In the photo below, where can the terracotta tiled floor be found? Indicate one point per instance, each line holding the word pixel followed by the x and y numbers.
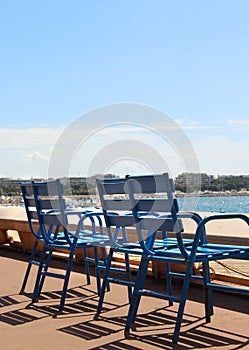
pixel 24 326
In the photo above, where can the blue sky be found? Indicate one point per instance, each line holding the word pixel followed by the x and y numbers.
pixel 61 59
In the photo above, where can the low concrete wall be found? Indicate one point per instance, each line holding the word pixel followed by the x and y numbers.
pixel 14 219
pixel 25 240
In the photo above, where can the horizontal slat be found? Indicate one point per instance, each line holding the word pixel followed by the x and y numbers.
pixel 158 224
pixel 149 184
pixel 111 186
pixel 52 219
pixel 117 204
pixel 33 214
pixel 156 205
pixel 120 220
pixel 30 202
pixel 47 188
pixel 27 189
pixel 50 204
pixel 147 204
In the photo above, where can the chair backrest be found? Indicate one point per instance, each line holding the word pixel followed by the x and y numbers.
pixel 30 207
pixel 145 202
pixel 115 201
pixel 116 208
pixel 154 208
pixel 50 207
pixel 152 194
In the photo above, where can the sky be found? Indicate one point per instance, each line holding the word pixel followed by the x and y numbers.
pixel 60 60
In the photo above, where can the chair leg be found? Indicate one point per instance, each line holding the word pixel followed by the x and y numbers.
pixel 208 295
pixel 128 275
pixel 105 262
pixel 43 272
pixel 182 303
pixel 169 282
pixel 31 261
pixel 136 297
pixel 86 266
pixel 104 283
pixel 66 280
pixel 97 270
pixel 37 287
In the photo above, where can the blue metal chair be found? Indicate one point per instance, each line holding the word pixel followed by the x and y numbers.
pixel 118 217
pixel 142 190
pixel 30 207
pixel 54 227
pixel 117 209
pixel 32 216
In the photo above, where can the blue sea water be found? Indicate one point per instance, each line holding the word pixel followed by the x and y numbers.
pixel 215 204
pixel 225 204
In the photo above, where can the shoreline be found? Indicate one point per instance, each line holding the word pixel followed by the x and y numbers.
pixel 92 199
pixel 213 194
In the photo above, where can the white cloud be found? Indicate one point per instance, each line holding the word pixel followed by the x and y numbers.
pixel 26 152
pixel 221 155
pixel 194 125
pixel 35 156
pixel 217 154
pixel 181 124
pixel 239 123
pixel 28 138
pixel 198 127
pixel 130 128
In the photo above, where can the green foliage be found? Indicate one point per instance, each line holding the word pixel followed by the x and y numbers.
pixel 186 182
pixel 210 183
pixel 10 189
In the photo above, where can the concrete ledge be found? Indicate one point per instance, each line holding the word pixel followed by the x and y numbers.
pixel 25 240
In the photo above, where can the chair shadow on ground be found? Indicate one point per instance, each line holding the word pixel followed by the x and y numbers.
pixel 152 329
pixel 80 301
pixel 47 306
pixel 155 329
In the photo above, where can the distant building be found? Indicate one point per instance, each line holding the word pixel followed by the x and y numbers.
pixel 192 182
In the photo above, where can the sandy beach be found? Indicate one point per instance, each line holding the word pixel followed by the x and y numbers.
pixel 229 228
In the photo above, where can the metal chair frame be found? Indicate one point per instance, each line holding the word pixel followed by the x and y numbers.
pixel 30 207
pixel 53 221
pixel 198 251
pixel 117 210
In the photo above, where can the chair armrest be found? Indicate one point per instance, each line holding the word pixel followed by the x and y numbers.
pixel 224 217
pixel 91 216
pixel 190 215
pixel 228 216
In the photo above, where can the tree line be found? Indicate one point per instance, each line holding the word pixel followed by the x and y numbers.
pixel 186 182
pixel 71 185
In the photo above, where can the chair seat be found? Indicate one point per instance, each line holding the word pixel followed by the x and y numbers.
pixel 210 252
pixel 170 243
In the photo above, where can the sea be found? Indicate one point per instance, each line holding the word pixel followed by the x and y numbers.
pixel 215 204
pixel 222 204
